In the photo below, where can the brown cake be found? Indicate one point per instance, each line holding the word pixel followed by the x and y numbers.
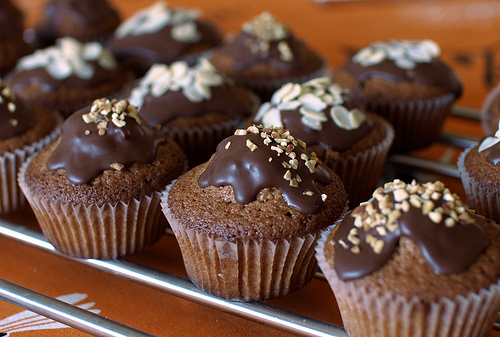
pixel 261 194
pixel 480 171
pixel 68 76
pixel 95 191
pixel 406 83
pixel 89 20
pixel 351 142
pixel 23 131
pixel 490 112
pixel 264 55
pixel 158 34
pixel 196 106
pixel 412 261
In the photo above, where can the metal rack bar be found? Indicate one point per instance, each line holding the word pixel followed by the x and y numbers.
pixel 259 312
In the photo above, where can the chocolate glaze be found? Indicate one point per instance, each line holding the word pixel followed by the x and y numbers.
pixel 493 156
pixel 448 250
pixel 331 134
pixel 240 50
pixel 434 73
pixel 160 47
pixel 225 100
pixel 248 172
pixel 14 123
pixel 84 157
pixel 21 79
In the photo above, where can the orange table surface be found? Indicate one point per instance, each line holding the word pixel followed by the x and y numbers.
pixel 468 34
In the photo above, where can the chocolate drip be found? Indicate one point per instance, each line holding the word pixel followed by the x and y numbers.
pixel 249 171
pixel 16 116
pixel 493 156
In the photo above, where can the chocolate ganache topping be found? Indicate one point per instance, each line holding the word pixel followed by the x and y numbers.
pixel 402 60
pixel 168 92
pixel 108 135
pixel 315 111
pixel 265 39
pixel 67 64
pixel 161 34
pixel 16 115
pixel 449 237
pixel 492 146
pixel 258 158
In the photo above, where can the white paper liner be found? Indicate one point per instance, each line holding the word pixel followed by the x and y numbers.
pixel 369 313
pixel 481 198
pixel 417 123
pixel 11 196
pixel 360 171
pixel 97 232
pixel 244 270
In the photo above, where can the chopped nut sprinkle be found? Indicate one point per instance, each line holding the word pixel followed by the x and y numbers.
pixel 228 144
pixel 100 114
pixel 251 145
pixel 117 166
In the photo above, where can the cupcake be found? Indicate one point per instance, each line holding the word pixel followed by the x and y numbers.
pixel 96 190
pixel 247 221
pixel 195 105
pixel 411 261
pixel 490 112
pixel 86 21
pixel 351 142
pixel 68 76
pixel 158 34
pixel 24 130
pixel 264 55
pixel 406 83
pixel 479 170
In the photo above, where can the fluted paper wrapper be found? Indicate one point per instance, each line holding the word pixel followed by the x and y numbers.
pixel 369 313
pixel 12 197
pixel 481 198
pixel 360 171
pixel 97 232
pixel 417 124
pixel 244 270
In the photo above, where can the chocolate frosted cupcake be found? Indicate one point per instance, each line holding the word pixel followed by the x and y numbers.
pixel 68 76
pixel 261 195
pixel 351 142
pixel 406 83
pixel 158 34
pixel 196 106
pixel 95 191
pixel 411 261
pixel 89 20
pixel 479 168
pixel 24 130
pixel 264 55
pixel 490 112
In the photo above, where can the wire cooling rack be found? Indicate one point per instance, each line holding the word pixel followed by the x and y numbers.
pixel 259 312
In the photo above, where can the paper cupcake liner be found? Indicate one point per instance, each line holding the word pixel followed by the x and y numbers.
pixel 11 196
pixel 200 142
pixel 480 198
pixel 369 313
pixel 360 171
pixel 417 124
pixel 246 269
pixel 97 232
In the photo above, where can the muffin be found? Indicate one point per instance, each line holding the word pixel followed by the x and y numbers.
pixel 351 142
pixel 96 190
pixel 86 21
pixel 158 34
pixel 411 261
pixel 490 112
pixel 247 221
pixel 68 76
pixel 195 105
pixel 406 83
pixel 23 131
pixel 264 55
pixel 479 170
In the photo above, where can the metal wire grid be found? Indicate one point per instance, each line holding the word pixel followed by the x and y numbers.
pixel 259 312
